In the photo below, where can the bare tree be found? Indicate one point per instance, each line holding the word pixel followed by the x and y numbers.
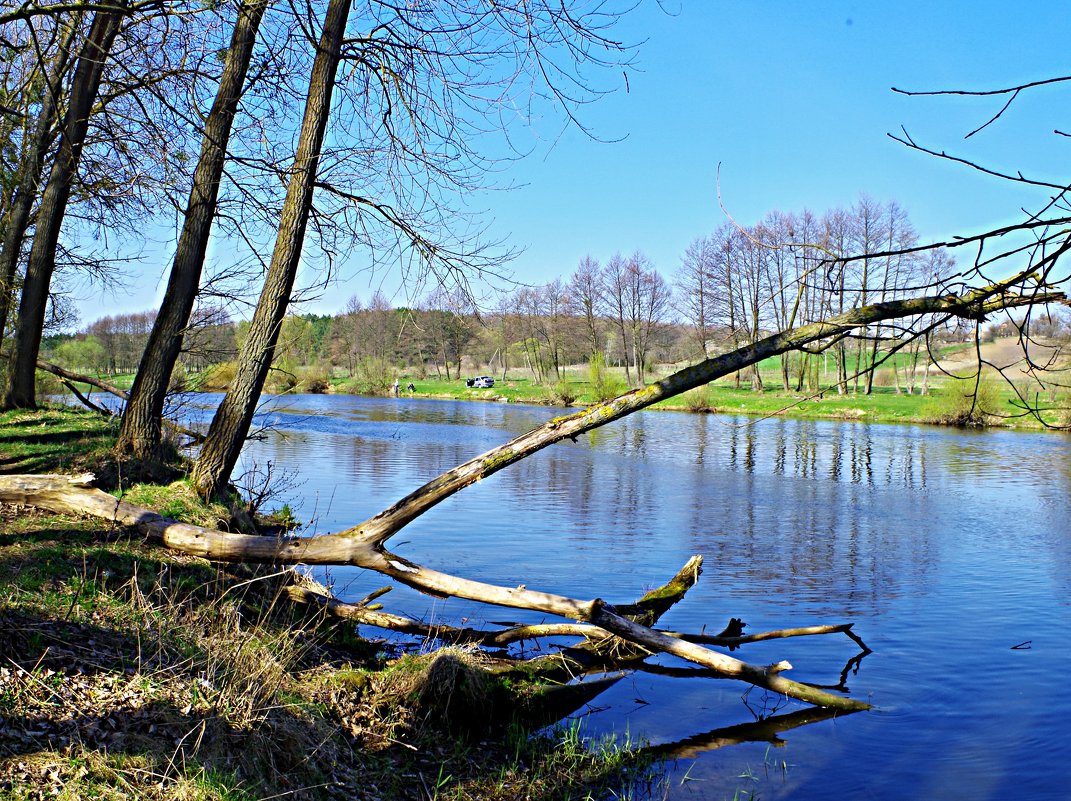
pixel 20 390
pixel 696 293
pixel 232 419
pixel 141 428
pixel 415 102
pixel 35 82
pixel 585 290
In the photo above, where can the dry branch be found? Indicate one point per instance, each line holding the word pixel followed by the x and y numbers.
pixel 62 494
pixel 363 545
pixel 70 378
pixel 61 372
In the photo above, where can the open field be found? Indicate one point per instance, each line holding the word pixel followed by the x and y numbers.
pixel 950 385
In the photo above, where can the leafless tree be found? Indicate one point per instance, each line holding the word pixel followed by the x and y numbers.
pixel 141 428
pixel 421 87
pixel 696 295
pixel 20 391
pixel 585 289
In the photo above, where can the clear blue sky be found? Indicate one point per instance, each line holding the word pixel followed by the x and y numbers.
pixel 793 100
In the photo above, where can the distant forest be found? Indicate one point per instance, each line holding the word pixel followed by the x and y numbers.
pixel 731 288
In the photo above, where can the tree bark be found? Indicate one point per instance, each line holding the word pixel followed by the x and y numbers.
pixel 31 165
pixel 141 428
pixel 230 425
pixel 20 391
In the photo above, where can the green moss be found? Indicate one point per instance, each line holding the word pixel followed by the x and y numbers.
pixel 499 460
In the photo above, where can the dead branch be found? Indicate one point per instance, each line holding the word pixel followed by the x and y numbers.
pixel 61 494
pixel 85 401
pixel 69 378
pixel 56 370
pixel 361 613
pixel 363 545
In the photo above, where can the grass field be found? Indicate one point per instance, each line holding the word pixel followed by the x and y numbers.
pixel 948 400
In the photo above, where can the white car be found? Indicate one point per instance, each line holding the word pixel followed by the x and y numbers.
pixel 481 382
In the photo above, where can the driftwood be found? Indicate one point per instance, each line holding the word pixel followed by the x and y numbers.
pixel 363 545
pixel 73 495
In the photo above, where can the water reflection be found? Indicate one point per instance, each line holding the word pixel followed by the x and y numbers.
pixel 945 547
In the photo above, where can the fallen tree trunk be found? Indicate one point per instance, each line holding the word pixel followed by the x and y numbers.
pixel 363 545
pixel 70 378
pixel 72 495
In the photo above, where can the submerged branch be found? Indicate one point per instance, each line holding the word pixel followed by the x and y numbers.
pixel 62 494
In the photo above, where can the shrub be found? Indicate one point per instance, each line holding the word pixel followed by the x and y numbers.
pixel 884 378
pixel 563 393
pixel 373 377
pixel 218 377
pixel 604 385
pixel 316 379
pixel 697 400
pixel 959 404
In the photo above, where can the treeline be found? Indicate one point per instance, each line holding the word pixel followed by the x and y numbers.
pixel 731 288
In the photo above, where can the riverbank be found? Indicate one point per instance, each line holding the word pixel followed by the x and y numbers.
pixel 948 403
pixel 1007 400
pixel 133 672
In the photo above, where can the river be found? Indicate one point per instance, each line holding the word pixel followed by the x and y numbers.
pixel 949 550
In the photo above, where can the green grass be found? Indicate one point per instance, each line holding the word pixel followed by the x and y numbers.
pixel 53 440
pixel 131 672
pixel 882 405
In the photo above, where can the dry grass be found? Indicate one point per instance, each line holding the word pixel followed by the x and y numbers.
pixel 127 672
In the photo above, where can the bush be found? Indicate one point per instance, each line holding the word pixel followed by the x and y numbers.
pixel 315 380
pixel 373 377
pixel 218 377
pixel 46 384
pixel 563 393
pixel 884 378
pixel 282 378
pixel 697 400
pixel 604 385
pixel 958 404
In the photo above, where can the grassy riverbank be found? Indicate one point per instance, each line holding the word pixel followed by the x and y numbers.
pixel 947 400
pixel 130 672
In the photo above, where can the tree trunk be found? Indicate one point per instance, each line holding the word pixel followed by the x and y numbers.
pixel 28 332
pixel 31 165
pixel 140 431
pixel 61 494
pixel 230 425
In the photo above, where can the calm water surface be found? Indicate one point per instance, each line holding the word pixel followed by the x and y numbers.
pixel 945 548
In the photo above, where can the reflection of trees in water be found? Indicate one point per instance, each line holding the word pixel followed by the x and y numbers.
pixel 841 515
pixel 801 506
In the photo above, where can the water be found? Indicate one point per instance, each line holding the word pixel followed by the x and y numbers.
pixel 950 551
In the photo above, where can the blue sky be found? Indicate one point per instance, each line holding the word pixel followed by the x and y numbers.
pixel 793 100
